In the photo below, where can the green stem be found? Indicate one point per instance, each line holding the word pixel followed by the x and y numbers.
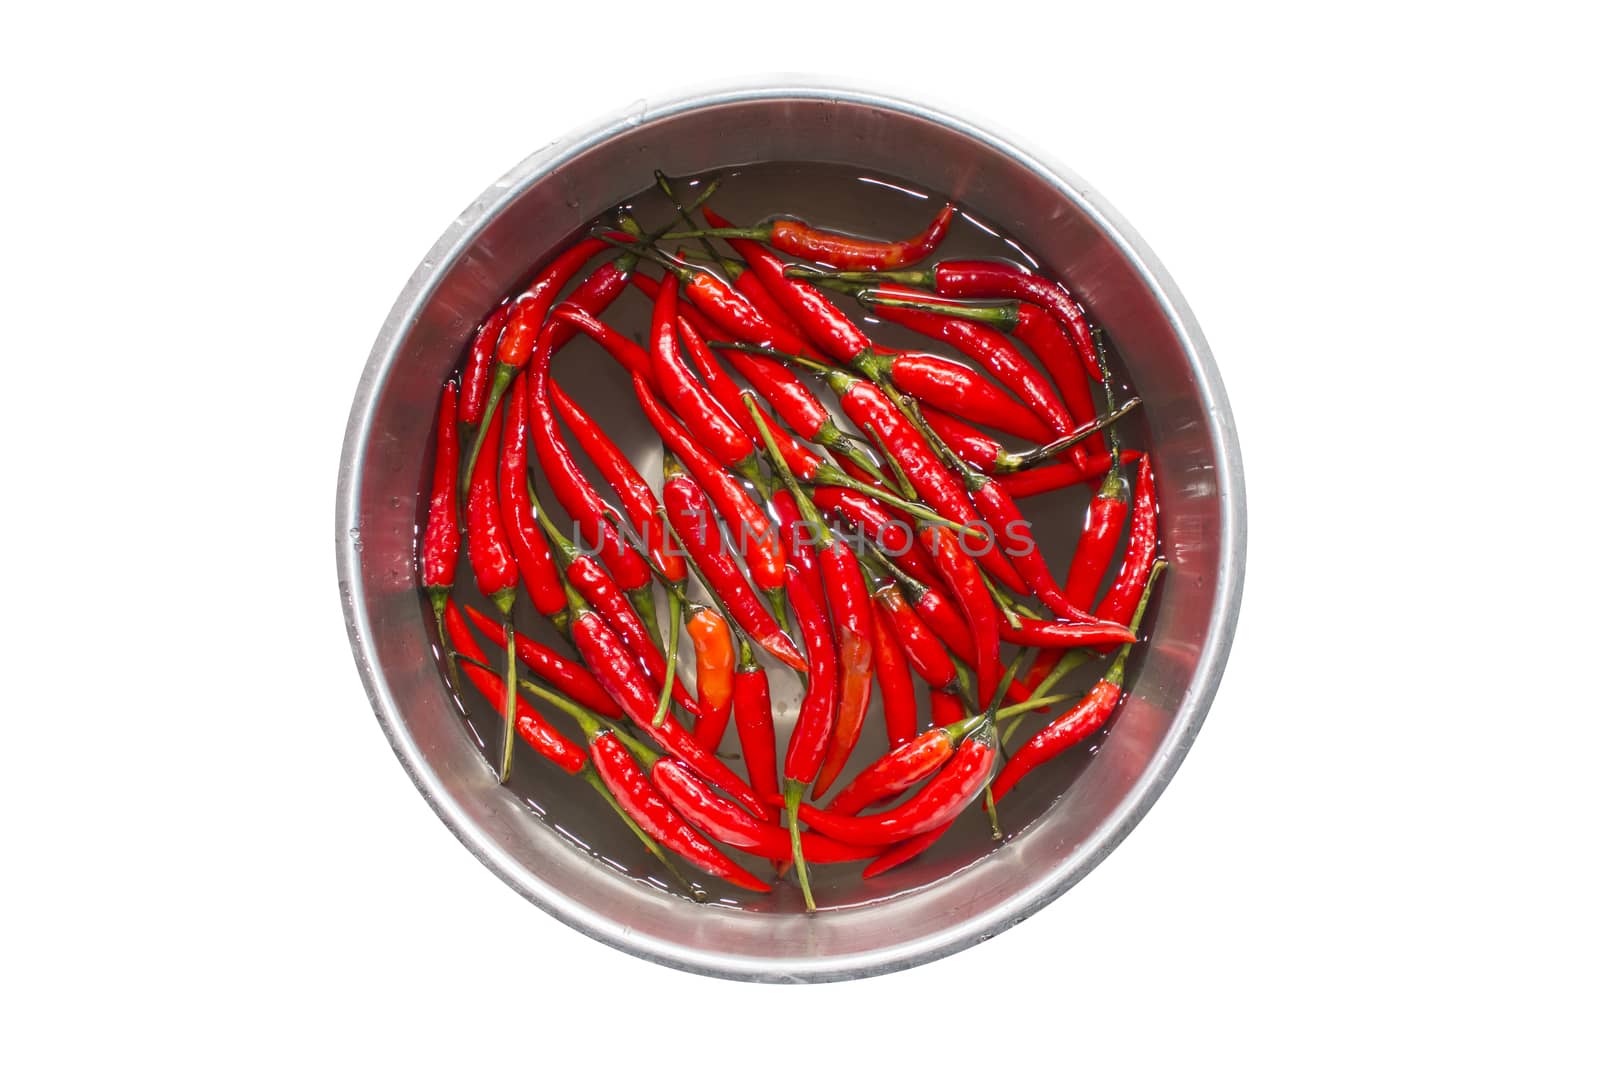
pixel 508 735
pixel 727 233
pixel 675 624
pixel 922 279
pixel 438 598
pixel 1005 738
pixel 665 186
pixel 502 381
pixel 1120 664
pixel 1002 316
pixel 792 791
pixel 1010 462
pixel 644 602
pixel 1011 711
pixel 1068 663
pixel 808 510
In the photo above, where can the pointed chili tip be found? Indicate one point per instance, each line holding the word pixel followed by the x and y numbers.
pixel 783 649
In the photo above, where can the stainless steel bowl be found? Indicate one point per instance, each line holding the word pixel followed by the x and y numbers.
pixel 1076 234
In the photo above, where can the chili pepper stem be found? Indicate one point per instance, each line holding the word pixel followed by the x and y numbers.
pixel 840 480
pixel 780 606
pixel 674 623
pixel 1011 711
pixel 1011 462
pixel 994 816
pixel 644 602
pixel 1005 738
pixel 921 279
pixel 1002 317
pixel 439 598
pixel 508 735
pixel 792 792
pixel 502 381
pixel 1065 666
pixel 834 439
pixel 1119 666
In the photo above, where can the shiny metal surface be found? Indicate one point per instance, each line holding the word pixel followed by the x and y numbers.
pixel 1077 235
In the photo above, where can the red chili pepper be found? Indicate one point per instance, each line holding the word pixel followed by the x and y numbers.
pixel 946 622
pixel 990 457
pixel 851 612
pixel 838 250
pixel 972 597
pixel 955 786
pixel 527 722
pixel 1014 533
pixel 493 563
pixel 753 530
pixel 891 533
pixel 723 389
pixel 527 544
pixel 711 426
pixel 638 499
pixel 594 585
pixel 530 725
pixel 730 311
pixel 1060 633
pixel 689 513
pixel 907 763
pixel 1060 476
pixel 567 676
pixel 895 689
pixel 749 283
pixel 641 800
pixel 727 823
pixel 713 673
pixel 795 404
pixel 1102 527
pixel 922 647
pixel 908 849
pixel 956 387
pixel 686 312
pixel 525 326
pixel 1038 330
pixel 532 307
pixel 800 546
pixel 867 406
pixel 830 329
pixel 1004 281
pixel 480 357
pixel 946 708
pixel 441 538
pixel 620 676
pixel 752 719
pixel 989 348
pixel 1118 604
pixel 634 360
pixel 1081 720
pixel 808 742
pixel 570 486
pixel 494 566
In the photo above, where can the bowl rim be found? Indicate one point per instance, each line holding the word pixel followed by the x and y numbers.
pixel 1191 713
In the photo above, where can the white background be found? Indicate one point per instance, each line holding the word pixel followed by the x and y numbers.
pixel 1383 844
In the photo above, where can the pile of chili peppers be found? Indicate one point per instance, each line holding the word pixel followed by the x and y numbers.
pixel 882 552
